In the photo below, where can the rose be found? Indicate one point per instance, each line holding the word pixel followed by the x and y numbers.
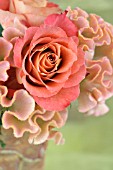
pixel 4 4
pixel 29 12
pixel 51 65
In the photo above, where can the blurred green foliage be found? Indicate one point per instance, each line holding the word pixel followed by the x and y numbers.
pixel 88 145
pixel 103 8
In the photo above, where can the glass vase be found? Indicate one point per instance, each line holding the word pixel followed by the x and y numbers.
pixel 18 154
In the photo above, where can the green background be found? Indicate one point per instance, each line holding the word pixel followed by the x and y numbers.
pixel 89 140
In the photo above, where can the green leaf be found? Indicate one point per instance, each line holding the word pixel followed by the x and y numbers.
pixel 3 145
pixel 1 29
pixel 2 110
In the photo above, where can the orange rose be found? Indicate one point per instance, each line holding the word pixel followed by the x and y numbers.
pixel 52 63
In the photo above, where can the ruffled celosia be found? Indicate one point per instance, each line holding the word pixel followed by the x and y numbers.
pixel 97 87
pixel 5 49
pixel 29 12
pixel 40 124
pixel 51 62
pixel 93 30
pixel 96 37
pixel 19 113
pixel 19 101
pixel 12 99
pixel 18 104
pixel 105 50
pixel 10 35
pixel 4 66
pixel 46 122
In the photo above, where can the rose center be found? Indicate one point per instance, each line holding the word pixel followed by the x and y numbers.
pixel 51 58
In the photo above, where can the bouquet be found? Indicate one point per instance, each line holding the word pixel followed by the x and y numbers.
pixel 48 59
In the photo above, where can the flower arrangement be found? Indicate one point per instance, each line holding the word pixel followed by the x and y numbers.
pixel 49 58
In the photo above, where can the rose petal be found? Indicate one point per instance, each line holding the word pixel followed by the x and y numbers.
pixel 76 78
pixel 60 20
pixel 48 31
pixel 40 90
pixel 20 43
pixel 66 96
pixel 4 5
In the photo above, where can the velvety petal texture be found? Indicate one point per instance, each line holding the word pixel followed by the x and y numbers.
pixel 4 5
pixel 52 63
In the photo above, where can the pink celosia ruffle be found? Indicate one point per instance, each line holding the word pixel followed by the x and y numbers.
pixel 93 30
pixel 18 104
pixel 47 122
pixel 97 87
pixel 40 124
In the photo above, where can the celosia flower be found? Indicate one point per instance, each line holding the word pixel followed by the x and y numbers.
pixel 46 122
pixel 97 87
pixel 51 63
pixel 4 66
pixel 93 30
pixel 29 12
pixel 7 72
pixel 20 104
pixel 40 124
pixel 5 49
pixel 105 50
pixel 96 37
pixel 10 35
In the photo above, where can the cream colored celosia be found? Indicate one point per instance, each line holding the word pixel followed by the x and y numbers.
pixel 97 87
pixel 41 124
pixel 93 30
pixel 46 123
pixel 96 39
